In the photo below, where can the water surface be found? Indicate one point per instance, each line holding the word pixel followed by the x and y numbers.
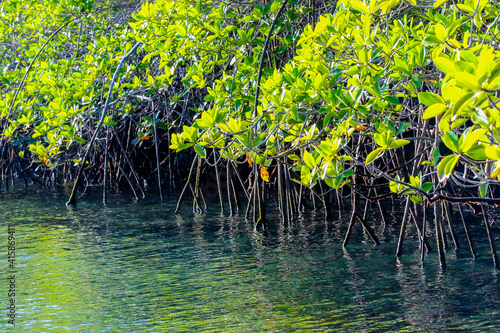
pixel 138 267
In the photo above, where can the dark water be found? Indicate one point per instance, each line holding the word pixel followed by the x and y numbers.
pixel 138 267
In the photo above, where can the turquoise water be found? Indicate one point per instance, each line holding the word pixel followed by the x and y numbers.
pixel 138 267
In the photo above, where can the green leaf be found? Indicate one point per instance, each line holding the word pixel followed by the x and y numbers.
pixel 201 124
pixel 431 40
pixel 329 182
pixel 200 151
pixel 394 187
pixel 494 84
pixel 452 28
pixel 452 93
pixel 398 143
pixel 467 80
pixel 327 118
pixel 359 6
pixel 444 65
pixel 407 192
pixel 309 160
pixel 259 139
pixel 427 186
pixel 471 139
pixel 441 32
pixel 435 155
pixel 305 175
pixel 464 66
pixel 439 3
pixel 465 8
pixel 477 152
pixel 416 199
pixel 446 166
pixel 353 70
pixel 373 155
pixel 243 35
pixel 429 99
pixel 462 102
pixel 483 190
pixel 392 100
pixel 224 128
pixel 493 152
pixel 380 139
pixel 184 146
pixel 450 139
pixel 434 110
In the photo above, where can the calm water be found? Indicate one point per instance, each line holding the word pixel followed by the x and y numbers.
pixel 138 267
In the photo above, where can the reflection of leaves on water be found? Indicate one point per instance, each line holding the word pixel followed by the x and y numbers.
pixel 211 271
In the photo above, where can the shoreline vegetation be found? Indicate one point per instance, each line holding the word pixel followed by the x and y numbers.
pixel 321 103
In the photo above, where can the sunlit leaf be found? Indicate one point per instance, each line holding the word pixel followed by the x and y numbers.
pixel 439 3
pixel 373 155
pixel 444 65
pixel 429 99
pixel 434 110
pixel 446 166
pixel 398 143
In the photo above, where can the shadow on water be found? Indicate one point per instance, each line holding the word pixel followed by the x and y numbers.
pixel 138 267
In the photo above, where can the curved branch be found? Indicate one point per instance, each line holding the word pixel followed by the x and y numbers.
pixel 72 198
pixel 261 65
